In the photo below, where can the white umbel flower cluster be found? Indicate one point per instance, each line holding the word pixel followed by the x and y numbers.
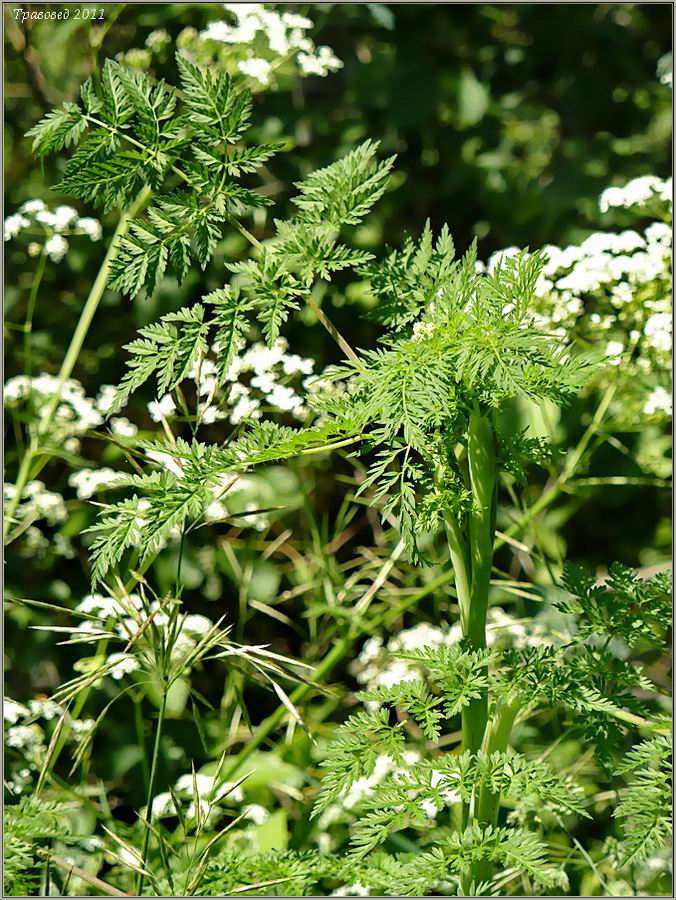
pixel 614 292
pixel 49 227
pixel 260 379
pixel 26 738
pixel 638 192
pixel 281 36
pixel 36 503
pixel 75 413
pixel 378 666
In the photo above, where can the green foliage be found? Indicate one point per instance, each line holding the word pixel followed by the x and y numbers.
pixel 457 347
pixel 645 808
pixel 353 750
pixel 510 848
pixel 27 824
pixel 344 192
pixel 141 134
pixel 167 349
pixel 626 606
pixel 169 500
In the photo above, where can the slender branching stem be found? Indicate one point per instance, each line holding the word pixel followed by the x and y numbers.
pixel 30 311
pixel 151 785
pixel 309 299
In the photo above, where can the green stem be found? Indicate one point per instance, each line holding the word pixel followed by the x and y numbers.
pixel 92 304
pixel 21 481
pixel 482 470
pixel 30 310
pixel 140 737
pixel 497 741
pixel 309 299
pixel 71 357
pixel 461 568
pixel 151 787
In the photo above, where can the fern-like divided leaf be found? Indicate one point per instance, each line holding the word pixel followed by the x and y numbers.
pixel 168 350
pixel 133 132
pixel 353 751
pixel 645 808
pixel 28 824
pixel 626 606
pixel 344 192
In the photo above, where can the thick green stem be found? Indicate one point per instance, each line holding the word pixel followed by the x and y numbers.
pixel 482 470
pixel 461 568
pixel 497 741
pixel 151 787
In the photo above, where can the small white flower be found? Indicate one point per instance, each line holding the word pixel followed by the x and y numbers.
pixel 17 388
pixel 170 463
pixel 196 624
pixel 13 225
pixel 91 227
pixel 422 330
pixel 24 737
pixel 56 247
pixel 319 63
pixel 106 396
pixel 88 481
pixel 258 69
pixel 257 813
pixel 245 408
pixel 205 784
pixel 64 216
pixel 659 400
pixel 614 350
pixel 13 711
pixel 94 603
pixel 46 709
pixel 658 331
pixel 121 664
pixel 162 806
pixel 32 207
pixel 160 409
pixel 122 427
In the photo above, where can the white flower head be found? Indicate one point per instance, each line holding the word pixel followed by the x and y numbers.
pixel 258 69
pixel 160 409
pixel 14 225
pixel 91 227
pixel 56 247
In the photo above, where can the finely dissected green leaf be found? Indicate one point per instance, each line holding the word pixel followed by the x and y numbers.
pixel 63 127
pixel 342 193
pixel 27 824
pixel 626 606
pixel 167 349
pixel 413 697
pixel 353 751
pixel 117 529
pixel 231 308
pixel 645 808
pixel 272 288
